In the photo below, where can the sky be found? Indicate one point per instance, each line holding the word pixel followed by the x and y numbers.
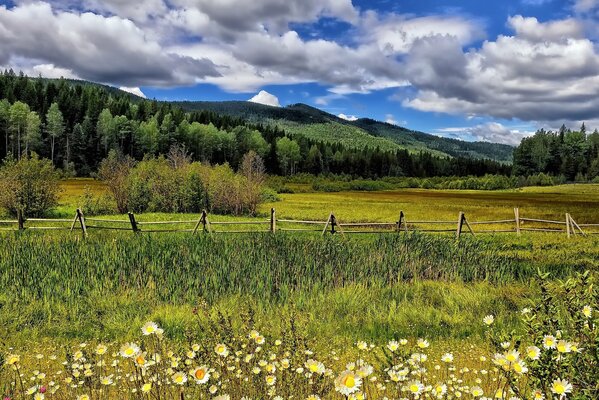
pixel 471 69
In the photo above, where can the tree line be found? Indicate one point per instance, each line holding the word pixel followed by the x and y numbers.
pixel 571 154
pixel 76 125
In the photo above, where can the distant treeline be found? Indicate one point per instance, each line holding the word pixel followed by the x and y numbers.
pixel 571 154
pixel 77 124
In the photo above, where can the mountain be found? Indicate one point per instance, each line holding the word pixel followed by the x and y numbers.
pixel 302 119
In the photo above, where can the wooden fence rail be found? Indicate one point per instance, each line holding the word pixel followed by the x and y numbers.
pixel 332 225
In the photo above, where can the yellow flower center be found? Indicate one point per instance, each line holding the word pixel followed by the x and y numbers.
pixel 414 388
pixel 349 381
pixel 200 373
pixel 129 351
pixel 559 388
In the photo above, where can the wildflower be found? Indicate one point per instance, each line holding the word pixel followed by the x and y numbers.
pixel 563 346
pixel 403 342
pixel 271 380
pixel 39 396
pixel 365 370
pixel 200 374
pixel 488 320
pixel 221 350
pixel 223 397
pixel 149 328
pixel 128 350
pixel 520 367
pixel 106 380
pixel 512 356
pixel 447 358
pixel 549 342
pixel 587 311
pixel 533 352
pixel 440 389
pixel 393 345
pixel 313 397
pixel 422 343
pixel 362 345
pixel 506 345
pixel 347 383
pixel 415 387
pixel 538 395
pixel 561 387
pixel 101 349
pixel 179 378
pixel 13 359
pixel 476 391
pixel 146 387
pixel 315 367
pixel 83 397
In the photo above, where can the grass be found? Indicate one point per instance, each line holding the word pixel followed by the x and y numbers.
pixel 57 289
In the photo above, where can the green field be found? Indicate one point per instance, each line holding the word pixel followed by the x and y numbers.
pixel 326 292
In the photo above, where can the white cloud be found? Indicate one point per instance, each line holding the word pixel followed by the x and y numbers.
pixel 348 117
pixel 512 77
pixel 94 47
pixel 493 132
pixel 133 90
pixel 266 98
pixel 586 5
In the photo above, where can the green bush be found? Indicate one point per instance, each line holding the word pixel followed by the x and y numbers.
pixel 29 185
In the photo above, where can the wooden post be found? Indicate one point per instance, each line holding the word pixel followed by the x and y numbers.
pixel 201 221
pixel 82 222
pixel 20 220
pixel 517 216
pixel 333 224
pixel 75 220
pixel 133 223
pixel 400 221
pixel 460 225
pixel 326 225
pixel 568 230
pixel 273 220
pixel 575 225
pixel 468 225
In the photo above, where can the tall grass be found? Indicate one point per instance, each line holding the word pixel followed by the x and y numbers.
pixel 178 268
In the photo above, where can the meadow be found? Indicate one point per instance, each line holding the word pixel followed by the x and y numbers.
pixel 322 297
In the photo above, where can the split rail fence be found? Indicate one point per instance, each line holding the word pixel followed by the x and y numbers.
pixel 332 225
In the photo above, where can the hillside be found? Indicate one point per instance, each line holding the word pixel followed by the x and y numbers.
pixel 301 119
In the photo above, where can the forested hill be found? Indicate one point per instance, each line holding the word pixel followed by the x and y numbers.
pixel 77 124
pixel 320 125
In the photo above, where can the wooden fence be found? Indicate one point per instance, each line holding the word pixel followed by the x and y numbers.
pixel 332 225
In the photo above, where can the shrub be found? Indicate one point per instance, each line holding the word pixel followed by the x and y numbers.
pixel 114 171
pixel 29 185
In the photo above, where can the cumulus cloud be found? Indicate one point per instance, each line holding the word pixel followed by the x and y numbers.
pixel 133 90
pixel 101 49
pixel 266 98
pixel 493 132
pixel 586 5
pixel 517 76
pixel 348 117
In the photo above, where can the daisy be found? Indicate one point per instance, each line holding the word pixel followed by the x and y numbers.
pixel 200 374
pixel 447 358
pixel 221 350
pixel 533 352
pixel 563 346
pixel 128 350
pixel 149 328
pixel 415 387
pixel 476 391
pixel 488 320
pixel 587 311
pixel 271 380
pixel 422 343
pixel 347 383
pixel 561 387
pixel 179 378
pixel 549 342
pixel 393 345
pixel 146 387
pixel 315 367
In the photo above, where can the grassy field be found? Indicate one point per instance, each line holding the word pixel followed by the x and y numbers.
pixel 330 292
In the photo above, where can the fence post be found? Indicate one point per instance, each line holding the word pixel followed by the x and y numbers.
pixel 460 225
pixel 333 223
pixel 133 223
pixel 517 216
pixel 273 220
pixel 20 220
pixel 568 230
pixel 400 221
pixel 82 222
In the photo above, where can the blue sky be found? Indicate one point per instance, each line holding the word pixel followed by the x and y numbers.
pixel 471 69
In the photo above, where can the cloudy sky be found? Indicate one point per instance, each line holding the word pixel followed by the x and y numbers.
pixel 479 70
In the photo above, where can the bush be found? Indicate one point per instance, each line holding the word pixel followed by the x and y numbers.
pixel 29 185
